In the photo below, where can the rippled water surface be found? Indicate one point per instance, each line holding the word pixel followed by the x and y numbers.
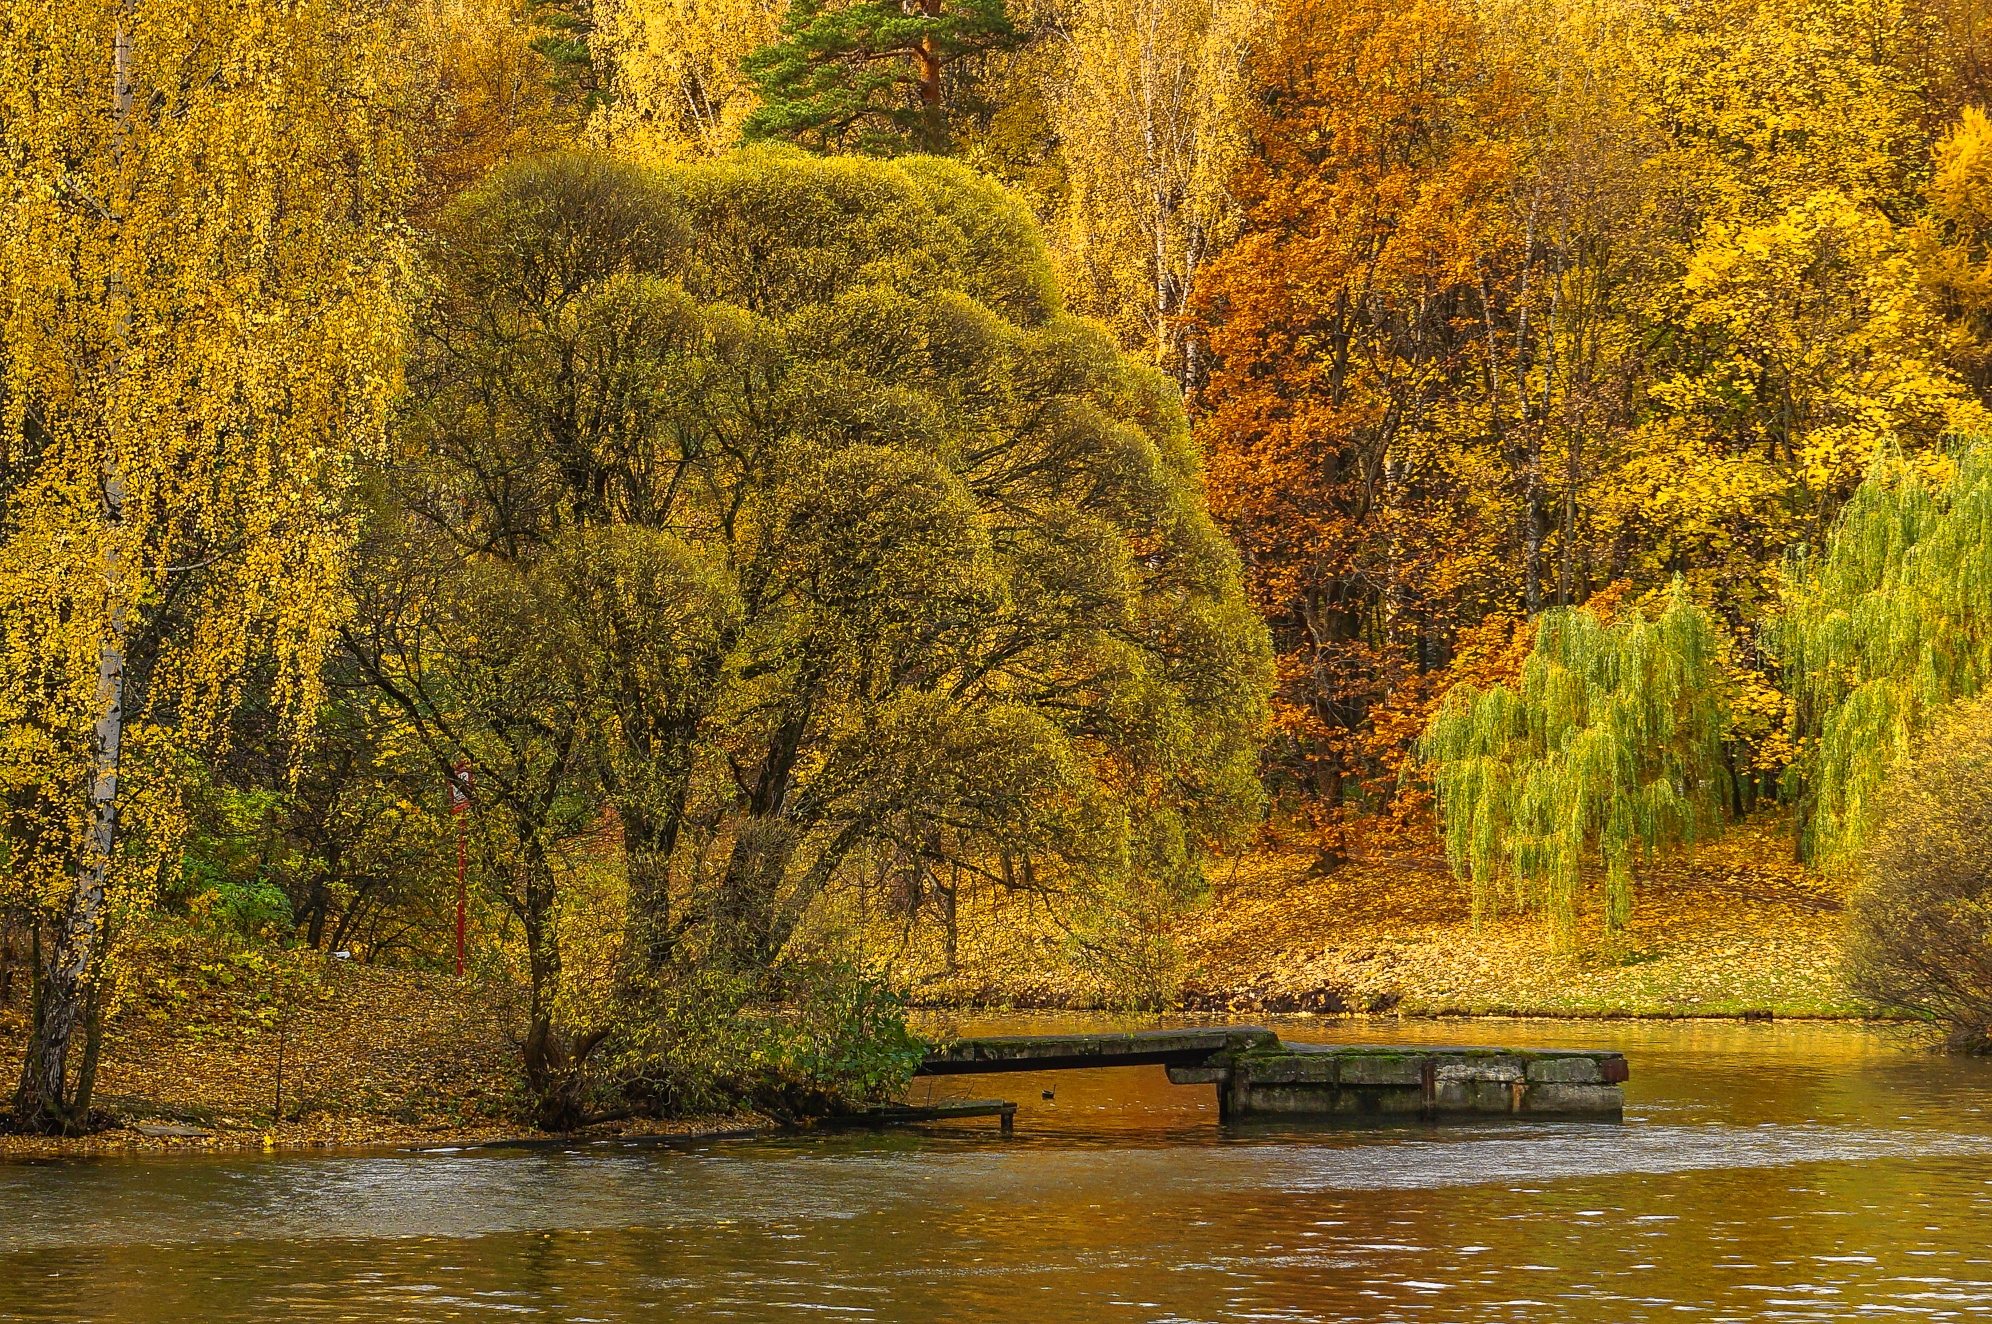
pixel 1780 1172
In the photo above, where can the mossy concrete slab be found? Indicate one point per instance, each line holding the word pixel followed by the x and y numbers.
pixel 1254 1073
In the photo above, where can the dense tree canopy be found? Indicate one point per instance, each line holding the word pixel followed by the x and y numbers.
pixel 787 468
pixel 1526 306
pixel 780 498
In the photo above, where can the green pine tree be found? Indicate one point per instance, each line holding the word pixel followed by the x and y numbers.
pixel 566 43
pixel 866 77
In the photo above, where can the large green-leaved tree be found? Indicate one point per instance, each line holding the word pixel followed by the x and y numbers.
pixel 846 547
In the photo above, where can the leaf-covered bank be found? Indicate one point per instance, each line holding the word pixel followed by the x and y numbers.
pixel 1737 929
pixel 261 1047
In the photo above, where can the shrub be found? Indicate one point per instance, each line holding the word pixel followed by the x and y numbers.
pixel 836 1042
pixel 1921 940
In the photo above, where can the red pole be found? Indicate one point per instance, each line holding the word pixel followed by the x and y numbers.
pixel 459 804
pixel 459 949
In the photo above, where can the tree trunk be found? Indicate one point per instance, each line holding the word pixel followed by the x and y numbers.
pixel 316 913
pixel 42 1102
pixel 93 1042
pixel 949 898
pixel 1534 526
pixel 647 851
pixel 542 964
pixel 549 1070
pixel 762 849
pixel 1566 586
pixel 929 56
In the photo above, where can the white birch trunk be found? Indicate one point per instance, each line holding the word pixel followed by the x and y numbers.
pixel 43 1101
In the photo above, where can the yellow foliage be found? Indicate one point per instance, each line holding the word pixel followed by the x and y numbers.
pixel 477 93
pixel 675 75
pixel 203 310
pixel 1953 243
pixel 1807 343
pixel 1148 103
pixel 1760 103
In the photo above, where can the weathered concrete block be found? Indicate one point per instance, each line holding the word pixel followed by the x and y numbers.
pixel 1484 1066
pixel 1198 1075
pixel 1566 1071
pixel 1288 1068
pixel 1255 1073
pixel 1382 1070
pixel 1064 1052
pixel 1478 1096
pixel 1319 1100
pixel 1552 1098
pixel 1290 1100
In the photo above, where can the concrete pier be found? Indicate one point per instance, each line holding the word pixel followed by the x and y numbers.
pixel 1255 1074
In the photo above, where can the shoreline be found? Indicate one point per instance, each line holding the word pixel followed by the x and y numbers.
pixel 1218 1015
pixel 130 1141
pixel 359 1135
pixel 200 1056
pixel 1740 928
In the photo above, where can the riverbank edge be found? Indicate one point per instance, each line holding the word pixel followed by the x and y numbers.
pixel 127 1141
pixel 358 1134
pixel 1519 1013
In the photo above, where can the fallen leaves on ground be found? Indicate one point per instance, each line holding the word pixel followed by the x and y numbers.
pixel 1739 926
pixel 370 1056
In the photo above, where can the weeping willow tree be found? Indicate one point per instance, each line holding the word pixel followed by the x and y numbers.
pixel 1609 749
pixel 1890 622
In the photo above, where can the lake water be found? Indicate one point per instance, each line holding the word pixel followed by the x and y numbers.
pixel 1763 1172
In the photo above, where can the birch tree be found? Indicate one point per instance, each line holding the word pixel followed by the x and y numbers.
pixel 201 321
pixel 674 69
pixel 1147 103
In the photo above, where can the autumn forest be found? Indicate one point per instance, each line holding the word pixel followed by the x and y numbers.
pixel 694 530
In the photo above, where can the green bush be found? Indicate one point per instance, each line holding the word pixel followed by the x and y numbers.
pixel 1921 923
pixel 837 1042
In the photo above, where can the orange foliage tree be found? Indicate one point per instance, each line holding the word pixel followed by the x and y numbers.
pixel 1356 334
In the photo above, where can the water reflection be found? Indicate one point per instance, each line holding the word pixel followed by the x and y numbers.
pixel 1783 1172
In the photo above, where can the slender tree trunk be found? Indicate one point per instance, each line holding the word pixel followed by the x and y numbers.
pixel 1534 526
pixel 1565 579
pixel 317 911
pixel 42 1102
pixel 545 1056
pixel 647 850
pixel 93 1043
pixel 950 898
